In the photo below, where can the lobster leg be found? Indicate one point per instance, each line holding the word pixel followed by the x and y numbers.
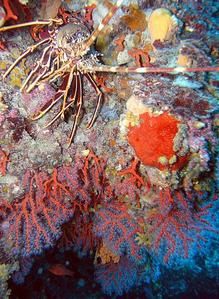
pixel 69 83
pixel 29 50
pixel 45 68
pixel 55 66
pixel 72 100
pixel 38 65
pixel 53 101
pixel 100 97
pixel 79 95
pixel 58 73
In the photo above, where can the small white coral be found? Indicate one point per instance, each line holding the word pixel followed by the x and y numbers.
pixel 136 106
pixel 24 2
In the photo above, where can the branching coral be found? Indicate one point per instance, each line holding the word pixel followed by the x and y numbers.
pixel 34 222
pixel 79 234
pixel 177 223
pixel 15 9
pixel 117 278
pixel 9 12
pixel 118 230
pixel 132 184
pixel 92 207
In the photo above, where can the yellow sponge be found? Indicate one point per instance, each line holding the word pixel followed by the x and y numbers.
pixel 161 25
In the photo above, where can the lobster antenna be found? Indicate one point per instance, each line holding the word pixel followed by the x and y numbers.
pixel 37 22
pixel 143 70
pixel 104 22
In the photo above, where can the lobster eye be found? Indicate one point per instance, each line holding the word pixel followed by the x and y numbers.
pixel 70 39
pixel 71 34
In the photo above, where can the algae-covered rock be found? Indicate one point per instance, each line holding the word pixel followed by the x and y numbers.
pixel 5 271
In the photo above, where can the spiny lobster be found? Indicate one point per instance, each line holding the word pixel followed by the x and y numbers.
pixel 67 54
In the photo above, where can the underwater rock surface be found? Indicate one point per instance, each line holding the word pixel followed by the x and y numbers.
pixel 109 176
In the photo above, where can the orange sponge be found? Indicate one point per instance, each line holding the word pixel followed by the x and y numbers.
pixel 153 141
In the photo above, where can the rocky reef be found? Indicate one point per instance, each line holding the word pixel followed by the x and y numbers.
pixel 133 199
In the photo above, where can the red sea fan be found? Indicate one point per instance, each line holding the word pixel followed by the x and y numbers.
pixel 86 180
pixel 118 229
pixel 78 234
pixel 34 221
pixel 176 224
pixel 132 183
pixel 117 278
